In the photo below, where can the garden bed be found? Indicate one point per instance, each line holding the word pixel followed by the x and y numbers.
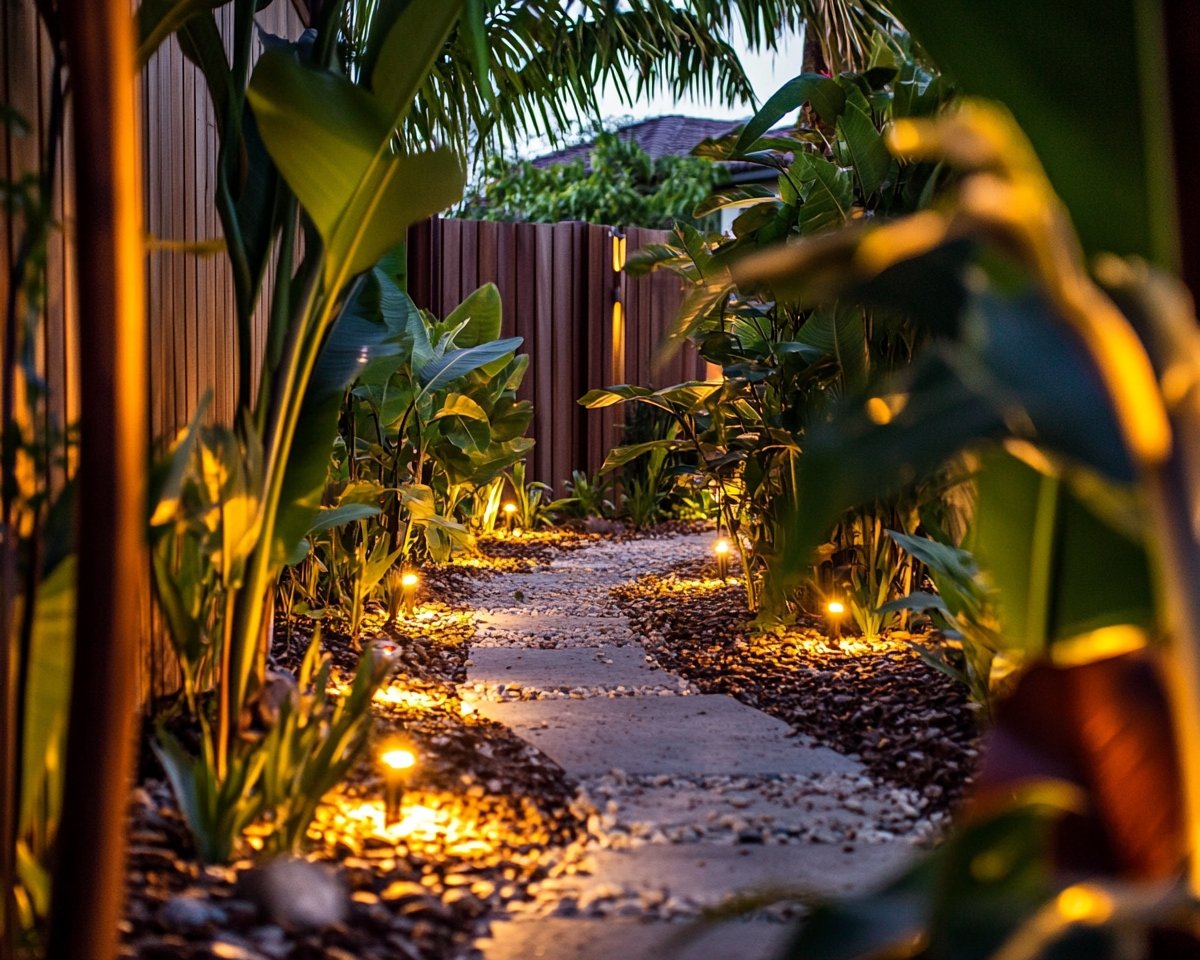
pixel 484 816
pixel 909 724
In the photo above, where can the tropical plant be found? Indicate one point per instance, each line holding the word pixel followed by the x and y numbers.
pixel 585 497
pixel 276 779
pixel 438 419
pixel 967 644
pixel 619 185
pixel 302 147
pixel 482 508
pixel 535 67
pixel 528 496
pixel 38 453
pixel 1074 413
pixel 782 363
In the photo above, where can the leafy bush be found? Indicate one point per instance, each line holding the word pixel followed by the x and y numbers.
pixel 585 497
pixel 620 186
pixel 275 780
pixel 784 362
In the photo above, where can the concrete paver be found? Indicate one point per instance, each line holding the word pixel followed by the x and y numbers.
pixel 574 667
pixel 558 939
pixel 695 735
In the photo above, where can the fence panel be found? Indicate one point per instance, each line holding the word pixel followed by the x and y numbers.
pixel 584 324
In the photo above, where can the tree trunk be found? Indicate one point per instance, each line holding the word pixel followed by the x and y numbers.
pixel 89 874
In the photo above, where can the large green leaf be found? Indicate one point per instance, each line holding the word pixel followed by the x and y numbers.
pixel 331 142
pixel 413 40
pixel 352 344
pixel 619 456
pixel 828 193
pixel 748 195
pixel 46 696
pixel 868 155
pixel 839 332
pixel 158 19
pixel 459 405
pixel 481 314
pixel 1059 570
pixel 824 94
pixel 1108 157
pixel 610 396
pixel 344 513
pixel 458 363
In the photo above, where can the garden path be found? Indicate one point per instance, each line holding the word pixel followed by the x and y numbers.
pixel 694 797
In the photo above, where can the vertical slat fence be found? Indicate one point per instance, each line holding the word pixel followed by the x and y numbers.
pixel 585 325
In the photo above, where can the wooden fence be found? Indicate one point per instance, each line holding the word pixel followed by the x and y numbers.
pixel 557 281
pixel 585 325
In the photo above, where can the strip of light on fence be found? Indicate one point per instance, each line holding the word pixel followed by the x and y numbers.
pixel 618 343
pixel 618 253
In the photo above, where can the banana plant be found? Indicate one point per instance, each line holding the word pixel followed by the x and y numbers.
pixel 303 149
pixel 1067 379
pixel 439 418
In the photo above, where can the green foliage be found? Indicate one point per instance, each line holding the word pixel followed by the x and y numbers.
pixel 532 511
pixel 967 645
pixel 275 780
pixel 1120 191
pixel 620 186
pixel 784 363
pixel 438 420
pixel 536 67
pixel 585 497
pixel 302 148
pixel 1055 377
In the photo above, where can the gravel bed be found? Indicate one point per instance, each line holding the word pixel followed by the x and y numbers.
pixel 485 816
pixel 777 809
pixel 566 602
pixel 911 725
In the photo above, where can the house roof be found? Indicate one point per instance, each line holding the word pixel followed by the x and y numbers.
pixel 671 136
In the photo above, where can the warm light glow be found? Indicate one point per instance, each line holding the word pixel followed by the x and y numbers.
pixel 401 697
pixel 409 580
pixel 397 758
pixel 835 608
pixel 721 547
pixel 1083 903
pixel 510 508
pixel 617 371
pixel 466 708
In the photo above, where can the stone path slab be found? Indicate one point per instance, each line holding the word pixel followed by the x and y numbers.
pixel 697 736
pixel 574 667
pixel 705 874
pixel 554 939
pixel 525 629
pixel 789 809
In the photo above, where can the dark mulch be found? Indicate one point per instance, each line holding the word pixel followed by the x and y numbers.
pixel 484 816
pixel 909 723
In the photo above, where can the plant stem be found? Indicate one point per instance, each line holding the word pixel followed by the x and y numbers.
pixel 89 874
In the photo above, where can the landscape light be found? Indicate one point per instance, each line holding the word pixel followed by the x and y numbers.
pixel 510 515
pixel 721 549
pixel 834 610
pixel 397 760
pixel 408 583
